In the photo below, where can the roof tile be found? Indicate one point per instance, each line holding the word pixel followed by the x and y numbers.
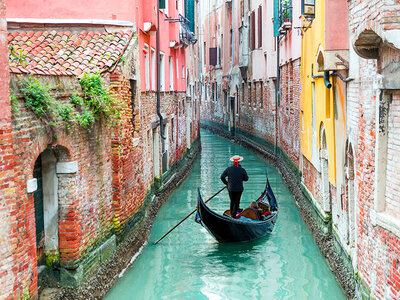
pixel 67 53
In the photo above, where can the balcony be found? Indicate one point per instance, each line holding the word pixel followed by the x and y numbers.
pixel 186 36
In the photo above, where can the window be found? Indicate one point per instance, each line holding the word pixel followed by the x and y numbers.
pixel 171 74
pixel 183 72
pixel 231 43
pixel 147 67
pixel 213 56
pixel 177 68
pixel 249 93
pixel 205 53
pixel 173 130
pixel 166 10
pixel 153 69
pixel 252 30
pixel 162 72
pixel 133 98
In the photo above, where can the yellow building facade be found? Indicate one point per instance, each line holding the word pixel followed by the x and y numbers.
pixel 322 104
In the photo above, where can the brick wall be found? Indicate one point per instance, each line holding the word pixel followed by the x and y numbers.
pixel 378 250
pixel 289 112
pixel 16 265
pixel 85 197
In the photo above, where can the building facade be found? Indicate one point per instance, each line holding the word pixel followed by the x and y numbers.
pixel 371 156
pixel 81 172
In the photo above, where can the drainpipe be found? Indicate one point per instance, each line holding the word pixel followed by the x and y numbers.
pixel 278 93
pixel 158 71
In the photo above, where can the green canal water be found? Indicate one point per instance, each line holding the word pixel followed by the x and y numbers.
pixel 190 264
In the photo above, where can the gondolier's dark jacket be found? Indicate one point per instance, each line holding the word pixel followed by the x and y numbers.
pixel 236 176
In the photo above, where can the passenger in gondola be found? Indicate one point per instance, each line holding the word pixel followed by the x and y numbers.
pixel 236 175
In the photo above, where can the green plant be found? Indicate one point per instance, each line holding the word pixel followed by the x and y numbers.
pixel 66 113
pixel 76 99
pixel 85 119
pixel 18 55
pixel 14 104
pixel 98 98
pixel 286 6
pixel 37 97
pixel 96 102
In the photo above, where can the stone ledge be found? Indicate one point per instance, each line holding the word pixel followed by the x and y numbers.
pixel 69 167
pixel 388 222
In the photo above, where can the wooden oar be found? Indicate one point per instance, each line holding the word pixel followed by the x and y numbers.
pixel 189 215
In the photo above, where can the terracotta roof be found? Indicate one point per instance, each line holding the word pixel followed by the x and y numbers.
pixel 65 53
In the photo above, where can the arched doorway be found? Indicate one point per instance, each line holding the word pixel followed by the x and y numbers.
pixel 39 212
pixel 46 205
pixel 325 193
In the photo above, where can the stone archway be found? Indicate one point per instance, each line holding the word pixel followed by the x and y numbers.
pixel 47 178
pixel 324 159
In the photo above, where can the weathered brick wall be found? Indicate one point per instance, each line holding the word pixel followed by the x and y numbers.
pixel 312 179
pixel 289 112
pixel 378 250
pixel 129 188
pixel 16 266
pixel 174 107
pixel 85 198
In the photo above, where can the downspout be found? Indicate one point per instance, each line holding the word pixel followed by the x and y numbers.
pixel 158 71
pixel 278 93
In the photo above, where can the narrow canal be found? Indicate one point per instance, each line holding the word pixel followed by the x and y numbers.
pixel 190 264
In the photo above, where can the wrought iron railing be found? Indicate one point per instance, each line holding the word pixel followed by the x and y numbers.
pixel 186 35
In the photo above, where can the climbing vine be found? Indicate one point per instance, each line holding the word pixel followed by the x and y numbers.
pixel 95 103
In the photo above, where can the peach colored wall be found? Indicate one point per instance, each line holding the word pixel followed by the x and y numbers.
pixel 336 26
pixel 72 9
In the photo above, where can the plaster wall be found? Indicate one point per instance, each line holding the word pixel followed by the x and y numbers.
pixel 87 9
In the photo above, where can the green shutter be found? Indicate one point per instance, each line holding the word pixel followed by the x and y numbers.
pixel 276 17
pixel 161 4
pixel 189 13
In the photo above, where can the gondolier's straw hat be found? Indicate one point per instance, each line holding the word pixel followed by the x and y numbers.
pixel 236 158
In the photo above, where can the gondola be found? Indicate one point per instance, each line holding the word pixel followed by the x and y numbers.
pixel 225 229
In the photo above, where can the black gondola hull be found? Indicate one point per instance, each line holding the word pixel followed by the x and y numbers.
pixel 226 229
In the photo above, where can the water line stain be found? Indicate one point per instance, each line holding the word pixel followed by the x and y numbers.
pixel 190 264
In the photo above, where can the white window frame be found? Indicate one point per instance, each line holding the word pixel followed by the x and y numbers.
pixel 147 67
pixel 153 69
pixel 177 68
pixel 162 72
pixel 171 73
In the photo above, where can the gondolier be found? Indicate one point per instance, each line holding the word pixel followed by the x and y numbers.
pixel 236 175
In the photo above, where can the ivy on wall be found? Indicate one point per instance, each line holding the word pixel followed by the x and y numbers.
pixel 84 110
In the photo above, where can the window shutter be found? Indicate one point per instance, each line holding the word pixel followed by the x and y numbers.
pixel 276 17
pixel 259 26
pixel 213 56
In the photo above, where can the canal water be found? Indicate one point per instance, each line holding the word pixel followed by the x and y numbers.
pixel 190 264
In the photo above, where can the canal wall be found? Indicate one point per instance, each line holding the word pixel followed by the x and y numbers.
pixel 320 225
pixel 134 236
